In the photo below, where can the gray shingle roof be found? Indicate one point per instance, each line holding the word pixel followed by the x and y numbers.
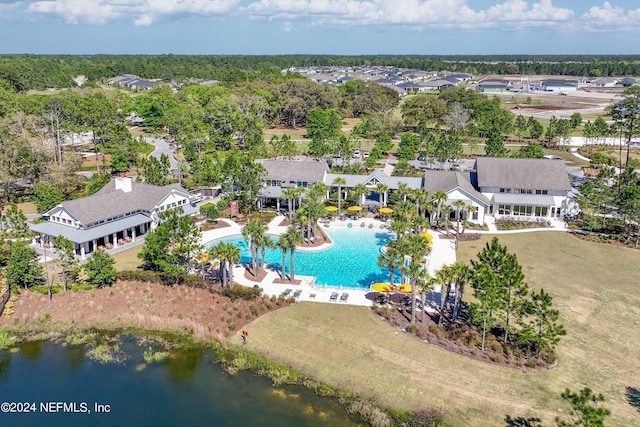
pixel 295 170
pixel 109 202
pixel 534 174
pixel 447 181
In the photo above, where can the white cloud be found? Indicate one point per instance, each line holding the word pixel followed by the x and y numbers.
pixel 141 12
pixel 407 14
pixel 608 17
pixel 413 13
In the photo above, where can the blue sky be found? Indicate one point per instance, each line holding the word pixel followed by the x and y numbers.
pixel 346 27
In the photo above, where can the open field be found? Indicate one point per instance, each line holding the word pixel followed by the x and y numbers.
pixel 594 287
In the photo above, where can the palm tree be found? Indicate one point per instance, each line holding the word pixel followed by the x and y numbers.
pixel 318 191
pixel 254 232
pixel 339 181
pixel 417 249
pixel 265 242
pixel 444 277
pixel 390 259
pixel 462 275
pixel 460 207
pixel 293 238
pixel 470 211
pixel 360 192
pixel 404 191
pixel 283 244
pixel 438 199
pixel 382 189
pixel 416 272
pixel 290 195
pixel 232 254
pixel 446 210
pixel 421 198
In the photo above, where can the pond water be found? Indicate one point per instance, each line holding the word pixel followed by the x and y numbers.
pixel 188 388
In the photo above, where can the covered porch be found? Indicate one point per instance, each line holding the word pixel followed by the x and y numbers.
pixel 102 237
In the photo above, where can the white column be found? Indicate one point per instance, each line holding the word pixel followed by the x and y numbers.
pixel 115 240
pixel 82 252
pixel 133 234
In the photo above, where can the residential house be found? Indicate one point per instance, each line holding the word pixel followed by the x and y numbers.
pixel 117 214
pixel 493 85
pixel 556 85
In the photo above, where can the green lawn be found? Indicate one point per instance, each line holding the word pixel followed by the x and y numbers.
pixel 128 260
pixel 595 287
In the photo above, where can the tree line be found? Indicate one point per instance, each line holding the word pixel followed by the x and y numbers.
pixel 29 72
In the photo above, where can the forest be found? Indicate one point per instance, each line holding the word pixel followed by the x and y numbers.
pixel 28 72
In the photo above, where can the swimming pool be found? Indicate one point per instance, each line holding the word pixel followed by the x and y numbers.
pixel 352 262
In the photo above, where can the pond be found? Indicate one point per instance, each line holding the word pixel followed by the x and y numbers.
pixel 59 385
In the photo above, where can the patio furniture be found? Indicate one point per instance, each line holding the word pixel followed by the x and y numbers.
pixel 297 293
pixel 312 296
pixel 370 225
pixel 286 292
pixel 344 297
pixel 333 297
pixel 362 224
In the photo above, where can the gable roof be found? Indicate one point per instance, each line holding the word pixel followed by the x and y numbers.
pixel 375 177
pixel 534 174
pixel 110 202
pixel 447 181
pixel 295 170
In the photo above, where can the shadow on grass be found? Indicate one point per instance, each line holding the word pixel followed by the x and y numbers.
pixel 522 422
pixel 633 397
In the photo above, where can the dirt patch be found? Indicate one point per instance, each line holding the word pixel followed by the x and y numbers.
pixel 143 305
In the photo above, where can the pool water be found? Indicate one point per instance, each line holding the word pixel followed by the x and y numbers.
pixel 352 262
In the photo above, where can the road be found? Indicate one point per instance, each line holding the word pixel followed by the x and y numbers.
pixel 163 147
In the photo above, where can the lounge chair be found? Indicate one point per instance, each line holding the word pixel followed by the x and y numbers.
pixel 344 297
pixel 297 293
pixel 370 225
pixel 334 296
pixel 312 296
pixel 362 224
pixel 286 292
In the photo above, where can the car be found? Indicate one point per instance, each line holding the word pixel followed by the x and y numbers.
pixel 356 154
pixel 365 154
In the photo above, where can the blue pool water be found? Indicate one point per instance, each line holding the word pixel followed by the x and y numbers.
pixel 352 262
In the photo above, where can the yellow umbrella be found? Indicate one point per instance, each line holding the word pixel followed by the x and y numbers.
pixel 203 256
pixel 385 210
pixel 355 208
pixel 331 208
pixel 406 288
pixel 381 287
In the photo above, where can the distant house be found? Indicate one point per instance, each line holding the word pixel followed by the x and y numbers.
pixel 604 82
pixel 493 85
pixel 560 85
pixel 524 188
pixel 132 81
pixel 436 85
pixel 626 82
pixel 119 213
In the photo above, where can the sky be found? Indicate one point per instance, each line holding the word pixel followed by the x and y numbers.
pixel 342 27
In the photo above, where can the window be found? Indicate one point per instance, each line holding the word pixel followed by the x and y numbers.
pixel 541 211
pixel 542 192
pixel 522 210
pixel 504 210
pixel 524 191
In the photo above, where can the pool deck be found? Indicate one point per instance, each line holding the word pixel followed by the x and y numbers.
pixel 443 252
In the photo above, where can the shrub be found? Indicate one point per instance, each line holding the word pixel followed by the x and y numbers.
pixel 210 210
pixel 438 331
pixel 242 292
pixel 140 276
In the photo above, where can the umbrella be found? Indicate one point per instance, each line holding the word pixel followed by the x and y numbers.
pixel 406 288
pixel 355 208
pixel 385 210
pixel 331 208
pixel 381 287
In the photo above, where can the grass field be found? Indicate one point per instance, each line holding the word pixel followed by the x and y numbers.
pixel 595 287
pixel 128 260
